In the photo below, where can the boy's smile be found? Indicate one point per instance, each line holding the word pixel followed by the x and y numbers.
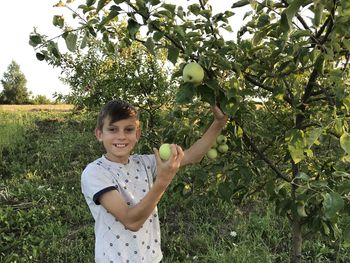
pixel 119 138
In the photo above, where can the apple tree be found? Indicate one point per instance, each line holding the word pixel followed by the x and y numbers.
pixel 283 80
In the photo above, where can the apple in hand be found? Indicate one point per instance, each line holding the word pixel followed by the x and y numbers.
pixel 212 154
pixel 165 151
pixel 221 139
pixel 223 148
pixel 193 73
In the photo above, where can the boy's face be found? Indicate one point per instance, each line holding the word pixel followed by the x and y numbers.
pixel 119 138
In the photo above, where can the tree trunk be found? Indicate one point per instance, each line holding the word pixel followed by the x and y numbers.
pixel 296 240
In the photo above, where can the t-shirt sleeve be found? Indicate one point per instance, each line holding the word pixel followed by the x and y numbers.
pixel 95 182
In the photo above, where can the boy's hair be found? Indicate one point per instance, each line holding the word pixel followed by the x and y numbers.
pixel 115 110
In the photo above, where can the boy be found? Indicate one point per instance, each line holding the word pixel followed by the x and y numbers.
pixel 123 190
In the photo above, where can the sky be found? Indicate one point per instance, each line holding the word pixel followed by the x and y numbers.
pixel 17 21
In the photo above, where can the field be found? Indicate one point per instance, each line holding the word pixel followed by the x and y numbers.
pixel 54 107
pixel 44 218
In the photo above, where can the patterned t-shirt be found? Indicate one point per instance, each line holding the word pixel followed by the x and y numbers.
pixel 113 241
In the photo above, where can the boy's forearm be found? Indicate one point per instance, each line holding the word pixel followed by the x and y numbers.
pixel 198 150
pixel 138 214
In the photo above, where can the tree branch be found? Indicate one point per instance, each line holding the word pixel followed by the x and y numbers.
pixel 250 142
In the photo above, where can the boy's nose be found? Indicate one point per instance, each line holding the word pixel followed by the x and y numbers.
pixel 121 135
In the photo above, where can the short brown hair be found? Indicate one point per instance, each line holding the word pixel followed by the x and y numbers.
pixel 116 110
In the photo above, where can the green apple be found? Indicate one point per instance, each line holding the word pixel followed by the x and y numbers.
pixel 165 151
pixel 223 148
pixel 212 154
pixel 221 139
pixel 193 73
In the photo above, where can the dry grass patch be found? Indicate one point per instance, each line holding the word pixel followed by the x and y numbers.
pixel 48 107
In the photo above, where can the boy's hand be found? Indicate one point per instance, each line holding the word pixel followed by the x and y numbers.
pixel 219 115
pixel 166 170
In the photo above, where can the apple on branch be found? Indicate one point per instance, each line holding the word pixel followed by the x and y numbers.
pixel 221 139
pixel 223 148
pixel 193 73
pixel 212 154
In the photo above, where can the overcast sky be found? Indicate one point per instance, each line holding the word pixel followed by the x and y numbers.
pixel 17 20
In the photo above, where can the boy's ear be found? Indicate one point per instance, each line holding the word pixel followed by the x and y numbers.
pixel 98 134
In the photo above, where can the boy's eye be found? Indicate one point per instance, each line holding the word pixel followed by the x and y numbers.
pixel 130 129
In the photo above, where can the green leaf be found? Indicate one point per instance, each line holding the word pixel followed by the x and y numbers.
pixel 296 143
pixel 319 64
pixel 169 7
pixel 344 187
pixel 84 41
pixel 207 94
pixel 154 2
pixel 311 136
pixel 71 41
pixel 223 62
pixel 149 44
pixel 288 14
pixel 194 9
pixel 346 237
pixel 346 102
pixel 300 33
pixel 240 3
pixel 345 142
pixel 303 176
pixel 318 13
pixel 58 21
pixel 332 203
pixel 301 209
pixel 118 1
pixel 133 27
pixel 346 43
pixel 173 54
pixel 90 2
pixel 185 93
pixel 225 192
pixel 158 36
pixel 40 56
pixel 100 5
pixel 112 14
pixel 35 40
pixel 213 84
pixel 325 227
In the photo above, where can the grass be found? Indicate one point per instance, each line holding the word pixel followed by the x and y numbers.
pixel 44 218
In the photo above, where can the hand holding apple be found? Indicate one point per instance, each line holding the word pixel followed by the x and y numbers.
pixel 167 169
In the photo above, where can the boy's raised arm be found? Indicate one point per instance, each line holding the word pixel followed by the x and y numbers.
pixel 198 150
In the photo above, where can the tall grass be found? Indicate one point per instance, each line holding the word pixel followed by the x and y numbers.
pixel 12 128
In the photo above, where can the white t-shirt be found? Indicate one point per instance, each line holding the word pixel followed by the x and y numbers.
pixel 113 242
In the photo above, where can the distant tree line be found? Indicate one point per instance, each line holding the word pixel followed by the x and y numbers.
pixel 14 88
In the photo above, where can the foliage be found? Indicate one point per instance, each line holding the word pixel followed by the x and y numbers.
pixel 284 83
pixel 14 86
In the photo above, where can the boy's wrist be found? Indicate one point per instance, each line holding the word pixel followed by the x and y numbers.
pixel 220 123
pixel 161 184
